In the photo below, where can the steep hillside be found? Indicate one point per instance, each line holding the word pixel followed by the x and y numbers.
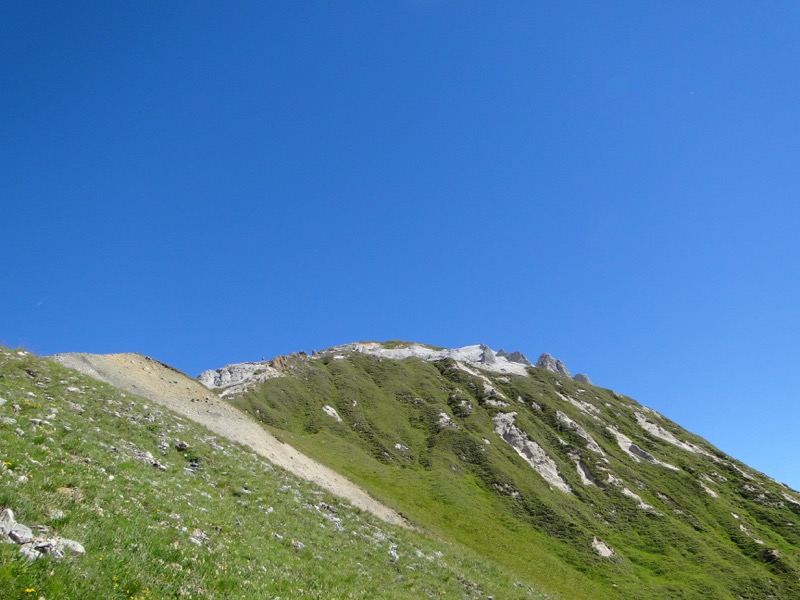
pixel 176 391
pixel 565 483
pixel 105 494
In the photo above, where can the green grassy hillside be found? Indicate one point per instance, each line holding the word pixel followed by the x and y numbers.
pixel 165 509
pixel 683 520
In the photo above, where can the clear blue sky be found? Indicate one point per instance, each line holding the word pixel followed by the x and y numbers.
pixel 615 183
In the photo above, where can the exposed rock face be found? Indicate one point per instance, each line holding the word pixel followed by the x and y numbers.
pixel 602 548
pixel 583 378
pixel 587 478
pixel 635 451
pixel 477 355
pixel 487 357
pixel 532 452
pixel 591 444
pixel 331 412
pixel 641 503
pixel 235 378
pixel 229 374
pixel 446 422
pixel 657 431
pixel 515 357
pixel 547 362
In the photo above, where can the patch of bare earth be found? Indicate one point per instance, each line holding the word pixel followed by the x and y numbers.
pixel 160 383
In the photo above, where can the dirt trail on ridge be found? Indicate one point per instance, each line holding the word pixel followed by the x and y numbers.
pixel 160 383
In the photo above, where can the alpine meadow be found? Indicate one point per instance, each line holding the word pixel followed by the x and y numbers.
pixel 486 477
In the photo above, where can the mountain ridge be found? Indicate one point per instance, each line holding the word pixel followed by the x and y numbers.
pixel 237 377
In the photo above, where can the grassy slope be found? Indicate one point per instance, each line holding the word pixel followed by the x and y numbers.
pixel 483 495
pixel 268 534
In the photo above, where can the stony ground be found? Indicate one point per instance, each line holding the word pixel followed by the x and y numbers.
pixel 151 379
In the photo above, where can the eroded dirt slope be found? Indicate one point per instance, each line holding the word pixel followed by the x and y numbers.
pixel 158 382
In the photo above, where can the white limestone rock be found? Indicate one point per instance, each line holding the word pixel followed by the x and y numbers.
pixel 235 378
pixel 529 450
pixel 331 412
pixel 548 363
pixel 602 548
pixel 582 378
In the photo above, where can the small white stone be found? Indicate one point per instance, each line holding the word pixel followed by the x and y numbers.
pixel 601 548
pixel 331 412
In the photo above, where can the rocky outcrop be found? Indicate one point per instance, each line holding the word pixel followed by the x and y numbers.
pixel 582 378
pixel 602 548
pixel 445 422
pixel 515 357
pixel 635 451
pixel 487 356
pixel 657 431
pixel 235 378
pixel 34 546
pixel 229 375
pixel 548 363
pixel 591 444
pixel 331 412
pixel 477 355
pixel 532 452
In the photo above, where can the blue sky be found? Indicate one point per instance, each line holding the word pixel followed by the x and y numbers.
pixel 614 183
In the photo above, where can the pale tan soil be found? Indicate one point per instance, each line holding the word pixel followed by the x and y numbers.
pixel 143 376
